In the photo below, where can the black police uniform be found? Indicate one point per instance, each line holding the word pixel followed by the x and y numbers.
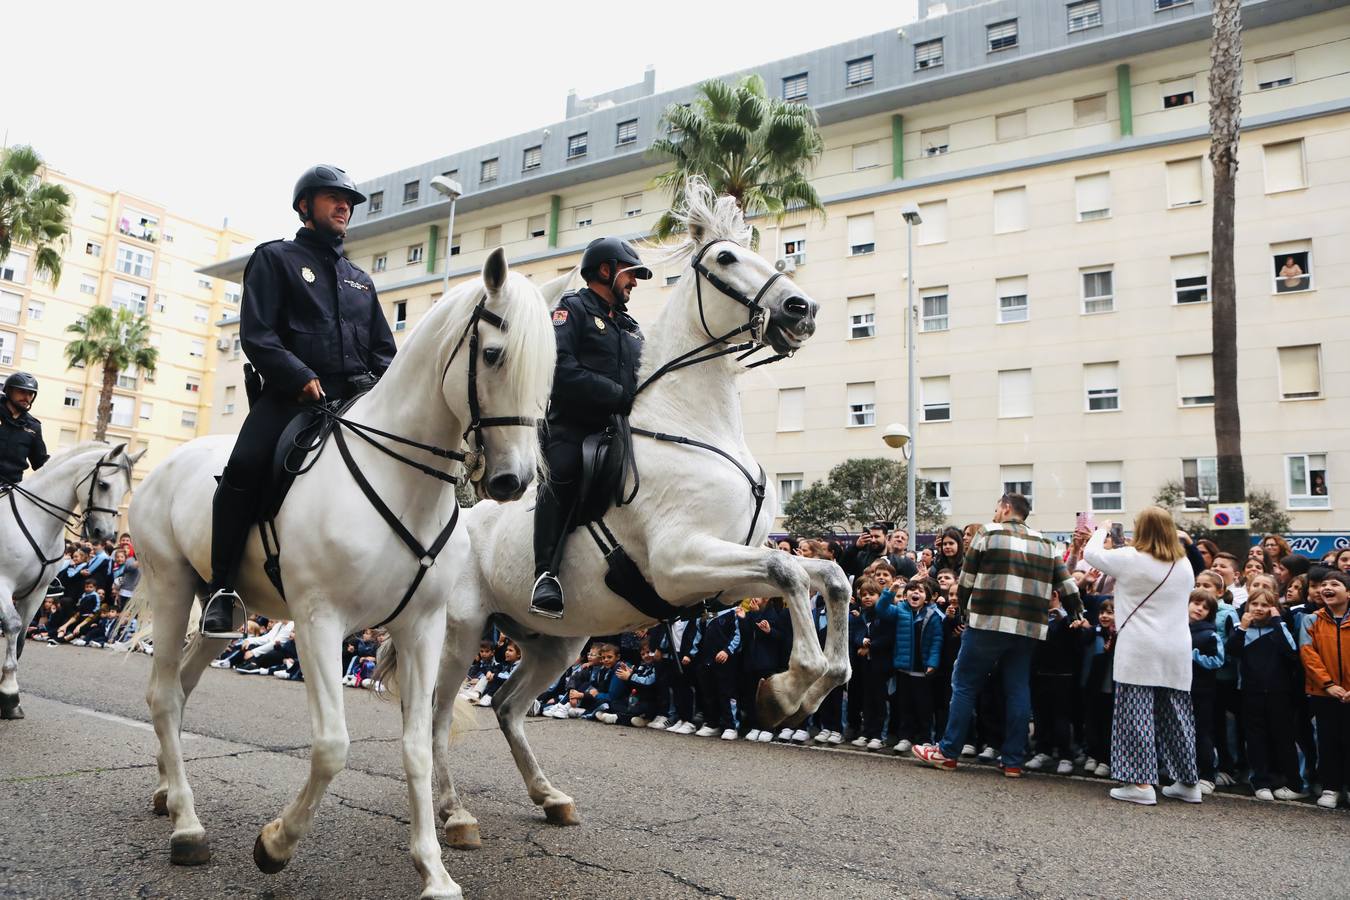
pixel 596 377
pixel 21 444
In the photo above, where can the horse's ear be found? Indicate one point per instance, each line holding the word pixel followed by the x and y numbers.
pixel 698 232
pixel 117 451
pixel 133 458
pixel 555 288
pixel 494 271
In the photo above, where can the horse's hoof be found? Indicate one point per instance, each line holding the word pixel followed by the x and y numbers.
pixel 159 801
pixel 266 862
pixel 9 707
pixel 463 836
pixel 562 814
pixel 769 706
pixel 190 850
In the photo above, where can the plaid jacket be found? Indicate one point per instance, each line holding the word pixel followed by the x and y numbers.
pixel 1006 580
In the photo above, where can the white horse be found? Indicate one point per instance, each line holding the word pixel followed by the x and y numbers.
pixel 694 530
pixel 84 484
pixel 486 352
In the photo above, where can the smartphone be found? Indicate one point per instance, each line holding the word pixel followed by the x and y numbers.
pixel 1118 534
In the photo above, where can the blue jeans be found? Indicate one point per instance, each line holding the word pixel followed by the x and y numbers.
pixel 981 650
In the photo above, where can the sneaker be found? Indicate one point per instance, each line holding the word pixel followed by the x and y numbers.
pixel 1065 767
pixel 931 754
pixel 785 734
pixel 1225 780
pixel 822 736
pixel 1188 793
pixel 765 736
pixel 575 712
pixel 1264 794
pixel 247 668
pixel 836 738
pixel 1104 771
pixel 904 746
pixel 874 744
pixel 1285 793
pixel 987 755
pixel 1206 787
pixel 606 717
pixel 1010 771
pixel 1329 799
pixel 752 734
pixel 730 734
pixel 485 700
pixel 78 642
pixel 225 664
pixel 660 723
pixel 638 722
pixel 969 750
pixel 705 731
pixel 859 741
pixel 687 728
pixel 1130 793
pixel 1089 765
pixel 535 709
pixel 1037 762
pixel 282 673
pixel 801 736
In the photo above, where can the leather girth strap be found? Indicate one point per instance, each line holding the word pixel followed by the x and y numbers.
pixel 43 562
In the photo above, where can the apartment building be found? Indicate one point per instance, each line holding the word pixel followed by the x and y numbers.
pixel 1057 152
pixel 123 251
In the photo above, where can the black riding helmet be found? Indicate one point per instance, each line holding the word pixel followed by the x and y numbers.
pixel 21 381
pixel 612 250
pixel 320 177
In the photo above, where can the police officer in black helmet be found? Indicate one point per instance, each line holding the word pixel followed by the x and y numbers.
pixel 311 325
pixel 599 345
pixel 21 442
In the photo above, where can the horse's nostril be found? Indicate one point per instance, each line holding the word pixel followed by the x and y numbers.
pixel 797 308
pixel 506 485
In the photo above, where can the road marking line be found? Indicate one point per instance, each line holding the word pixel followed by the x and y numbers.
pixel 121 720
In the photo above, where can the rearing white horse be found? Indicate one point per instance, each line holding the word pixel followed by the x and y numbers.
pixel 695 528
pixel 486 350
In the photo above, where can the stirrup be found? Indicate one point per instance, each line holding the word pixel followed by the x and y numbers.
pixel 547 611
pixel 230 633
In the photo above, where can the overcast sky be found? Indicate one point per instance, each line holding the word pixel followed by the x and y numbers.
pixel 214 110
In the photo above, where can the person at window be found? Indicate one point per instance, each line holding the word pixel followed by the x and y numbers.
pixel 21 443
pixel 1292 273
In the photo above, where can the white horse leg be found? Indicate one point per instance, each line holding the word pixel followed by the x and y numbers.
pixel 420 646
pixel 318 643
pixel 13 623
pixel 832 583
pixel 461 643
pixel 543 659
pixel 199 652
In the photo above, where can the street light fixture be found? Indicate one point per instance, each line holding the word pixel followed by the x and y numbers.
pixel 448 187
pixel 910 212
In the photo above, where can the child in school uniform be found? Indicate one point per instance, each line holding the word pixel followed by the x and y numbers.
pixel 500 673
pixel 634 703
pixel 603 686
pixel 476 681
pixel 1207 657
pixel 716 665
pixel 1324 647
pixel 1267 658
pixel 86 610
pixel 872 641
pixel 917 652
pixel 1053 684
pixel 761 648
pixel 1099 690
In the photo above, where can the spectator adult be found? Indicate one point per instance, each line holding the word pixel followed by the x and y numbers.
pixel 1274 548
pixel 948 552
pixel 1153 720
pixel 1208 550
pixel 869 545
pixel 1006 584
pixel 897 553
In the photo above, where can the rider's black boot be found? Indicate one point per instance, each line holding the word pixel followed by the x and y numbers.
pixel 550 530
pixel 232 515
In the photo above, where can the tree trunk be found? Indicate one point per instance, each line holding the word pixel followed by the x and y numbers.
pixel 105 402
pixel 1225 114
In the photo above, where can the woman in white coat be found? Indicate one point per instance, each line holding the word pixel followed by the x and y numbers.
pixel 1153 724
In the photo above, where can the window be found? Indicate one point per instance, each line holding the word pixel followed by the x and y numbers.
pixel 1017 480
pixel 1160 5
pixel 1274 72
pixel 671 280
pixel 791 409
pixel 1307 481
pixel 492 236
pixel 126 295
pixel 189 418
pixel 35 310
pixel 1195 380
pixel 1199 482
pixel 1010 126
pixel 861 239
pixel 866 156
pixel 139 225
pixel 8 341
pixel 1102 382
pixel 626 132
pixel 1180 92
pixel 632 205
pixel 794 243
pixel 788 486
pixel 414 254
pixel 380 263
pixel 936 394
pixel 1097 291
pixel 197 349
pixel 536 226
pixel 1301 372
pixel 1002 35
pixel 30 349
pixel 161 302
pixel 939 487
pixel 794 88
pixel 862 402
pixel 862 317
pixel 72 399
pixel 200 313
pixel 487 171
pixel 928 55
pixel 1185 183
pixel 1010 210
pixel 11 307
pixel 376 203
pixel 14 267
pixel 1293 267
pixel 533 158
pixel 1190 278
pixel 1016 399
pixel 236 347
pixel 933 224
pixel 1093 194
pixel 233 293
pixel 123 409
pixel 1284 167
pixel 583 216
pixel 576 146
pixel 1089 110
pixel 1084 15
pixel 400 315
pixel 133 261
pixel 1106 486
pixel 229 400
pixel 933 141
pixel 127 378
pixel 1012 299
pixel 411 190
pixel 93 248
pixel 192 385
pixel 858 71
pixel 933 306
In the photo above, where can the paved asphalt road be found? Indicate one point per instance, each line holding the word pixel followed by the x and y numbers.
pixel 663 815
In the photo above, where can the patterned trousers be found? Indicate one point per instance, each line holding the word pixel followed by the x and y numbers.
pixel 1152 731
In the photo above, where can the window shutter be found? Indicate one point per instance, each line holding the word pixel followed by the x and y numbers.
pixel 1194 265
pixel 860 231
pixel 1010 210
pixel 1185 182
pixel 1195 380
pixel 1300 372
pixel 791 409
pixel 865 156
pixel 1284 166
pixel 862 392
pixel 933 228
pixel 1101 376
pixel 936 390
pixel 1274 72
pixel 1010 126
pixel 1015 397
pixel 1094 196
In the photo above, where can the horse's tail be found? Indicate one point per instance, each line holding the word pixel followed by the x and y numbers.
pixel 386 676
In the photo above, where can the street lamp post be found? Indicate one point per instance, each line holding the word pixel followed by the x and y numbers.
pixel 911 214
pixel 448 187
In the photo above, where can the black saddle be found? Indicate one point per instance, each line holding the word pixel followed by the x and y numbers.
pixel 606 461
pixel 306 434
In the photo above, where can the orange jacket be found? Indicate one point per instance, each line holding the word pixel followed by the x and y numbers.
pixel 1325 651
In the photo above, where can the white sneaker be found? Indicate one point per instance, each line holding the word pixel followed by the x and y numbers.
pixel 1065 767
pixel 660 723
pixel 969 750
pixel 801 736
pixel 1264 794
pixel 1225 780
pixel 765 736
pixel 988 754
pixel 1329 799
pixel 1206 787
pixel 730 735
pixel 1089 765
pixel 225 664
pixel 1131 794
pixel 836 737
pixel 874 744
pixel 752 734
pixel 822 736
pixel 282 673
pixel 575 712
pixel 485 700
pixel 606 717
pixel 78 642
pixel 859 741
pixel 1188 793
pixel 785 734
pixel 903 746
pixel 686 728
pixel 639 722
pixel 705 731
pixel 1285 793
pixel 1037 762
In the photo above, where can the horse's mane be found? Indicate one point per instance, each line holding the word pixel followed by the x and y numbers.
pixel 704 216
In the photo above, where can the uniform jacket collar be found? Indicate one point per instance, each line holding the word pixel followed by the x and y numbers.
pixel 310 237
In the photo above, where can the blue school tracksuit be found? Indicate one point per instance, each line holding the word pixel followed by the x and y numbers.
pixel 918 648
pixel 761 656
pixel 501 673
pixel 1269 677
pixel 717 681
pixel 635 697
pixel 1207 658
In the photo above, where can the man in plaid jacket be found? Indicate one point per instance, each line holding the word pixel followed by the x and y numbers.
pixel 1007 578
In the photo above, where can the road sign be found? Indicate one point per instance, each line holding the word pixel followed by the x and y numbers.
pixel 1228 516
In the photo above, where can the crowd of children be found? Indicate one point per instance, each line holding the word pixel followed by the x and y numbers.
pixel 93 583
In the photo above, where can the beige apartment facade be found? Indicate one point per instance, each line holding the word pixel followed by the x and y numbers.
pixel 123 251
pixel 1061 271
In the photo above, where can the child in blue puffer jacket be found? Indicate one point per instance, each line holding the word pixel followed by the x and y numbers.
pixel 917 654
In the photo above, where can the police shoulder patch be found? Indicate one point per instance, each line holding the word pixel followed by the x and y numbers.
pixel 560 316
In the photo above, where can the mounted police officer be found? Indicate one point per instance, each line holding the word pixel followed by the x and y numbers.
pixel 599 345
pixel 21 442
pixel 313 328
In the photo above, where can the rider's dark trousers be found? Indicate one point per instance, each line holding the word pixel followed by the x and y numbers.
pixel 554 502
pixel 250 465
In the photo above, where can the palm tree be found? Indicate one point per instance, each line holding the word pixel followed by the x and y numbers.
pixel 117 340
pixel 1225 116
pixel 32 212
pixel 743 143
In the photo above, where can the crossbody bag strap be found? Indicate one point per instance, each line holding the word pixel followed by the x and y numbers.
pixel 1146 599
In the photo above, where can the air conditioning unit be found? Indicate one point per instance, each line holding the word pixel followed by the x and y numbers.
pixel 787 265
pixel 222 343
